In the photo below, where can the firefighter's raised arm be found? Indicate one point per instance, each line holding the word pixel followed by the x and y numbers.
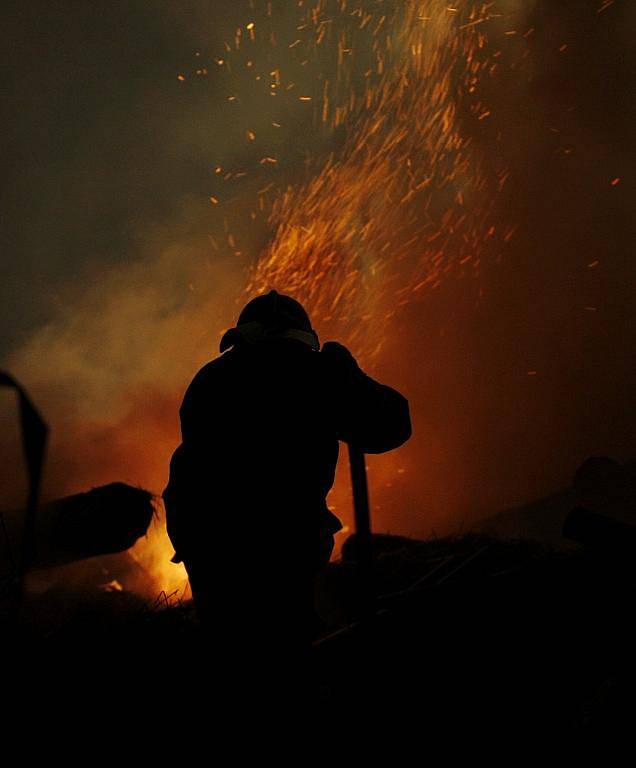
pixel 372 416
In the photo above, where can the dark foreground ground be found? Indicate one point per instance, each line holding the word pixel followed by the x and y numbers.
pixel 469 634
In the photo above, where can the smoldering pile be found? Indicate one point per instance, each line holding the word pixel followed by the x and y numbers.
pixel 79 549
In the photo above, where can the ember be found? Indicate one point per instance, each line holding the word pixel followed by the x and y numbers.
pixel 405 200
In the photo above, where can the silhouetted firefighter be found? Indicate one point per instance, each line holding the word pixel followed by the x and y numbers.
pixel 246 509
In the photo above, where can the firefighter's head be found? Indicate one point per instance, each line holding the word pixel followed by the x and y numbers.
pixel 271 316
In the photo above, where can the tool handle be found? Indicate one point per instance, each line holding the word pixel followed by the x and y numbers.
pixel 360 491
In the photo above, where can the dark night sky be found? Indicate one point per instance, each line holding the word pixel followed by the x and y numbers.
pixel 106 178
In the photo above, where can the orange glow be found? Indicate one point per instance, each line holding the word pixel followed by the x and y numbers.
pixel 403 158
pixel 403 204
pixel 400 203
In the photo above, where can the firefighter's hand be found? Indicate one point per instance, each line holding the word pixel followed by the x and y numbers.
pixel 339 359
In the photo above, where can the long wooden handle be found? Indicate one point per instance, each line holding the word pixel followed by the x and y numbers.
pixel 34 437
pixel 362 517
pixel 360 491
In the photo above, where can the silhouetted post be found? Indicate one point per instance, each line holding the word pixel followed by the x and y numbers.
pixel 362 519
pixel 34 436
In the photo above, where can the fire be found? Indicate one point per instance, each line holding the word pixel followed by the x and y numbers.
pixel 154 553
pixel 352 153
pixel 402 202
pixel 393 198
